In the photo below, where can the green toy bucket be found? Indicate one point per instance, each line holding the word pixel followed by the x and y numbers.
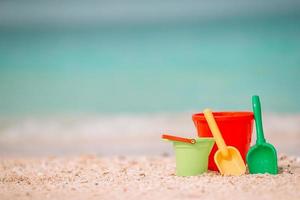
pixel 192 159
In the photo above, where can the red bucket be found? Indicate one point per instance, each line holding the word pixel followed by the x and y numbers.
pixel 236 129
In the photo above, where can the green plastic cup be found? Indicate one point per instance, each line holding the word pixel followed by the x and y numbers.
pixel 192 159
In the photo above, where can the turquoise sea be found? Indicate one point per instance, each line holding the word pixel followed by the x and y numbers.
pixel 151 67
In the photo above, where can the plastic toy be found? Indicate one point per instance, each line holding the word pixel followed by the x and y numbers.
pixel 236 128
pixel 227 158
pixel 191 158
pixel 262 157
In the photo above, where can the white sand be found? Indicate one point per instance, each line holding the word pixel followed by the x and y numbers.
pixel 92 177
pixel 27 171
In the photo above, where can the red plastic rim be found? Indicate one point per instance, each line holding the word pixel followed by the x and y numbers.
pixel 228 115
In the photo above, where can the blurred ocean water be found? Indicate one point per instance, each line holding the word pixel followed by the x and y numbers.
pixel 151 67
pixel 78 76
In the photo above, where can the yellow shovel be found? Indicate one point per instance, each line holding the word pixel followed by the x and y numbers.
pixel 227 158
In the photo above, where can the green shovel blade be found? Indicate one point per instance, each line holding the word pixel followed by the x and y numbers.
pixel 262 157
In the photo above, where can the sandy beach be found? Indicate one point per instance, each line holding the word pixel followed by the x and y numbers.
pixel 88 88
pixel 136 177
pixel 123 157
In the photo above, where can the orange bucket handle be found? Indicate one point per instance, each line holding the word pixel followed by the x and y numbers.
pixel 178 139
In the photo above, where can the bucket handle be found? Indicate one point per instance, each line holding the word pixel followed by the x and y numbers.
pixel 178 139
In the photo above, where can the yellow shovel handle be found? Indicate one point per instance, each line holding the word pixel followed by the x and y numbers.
pixel 216 132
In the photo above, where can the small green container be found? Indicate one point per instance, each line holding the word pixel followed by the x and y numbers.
pixel 192 159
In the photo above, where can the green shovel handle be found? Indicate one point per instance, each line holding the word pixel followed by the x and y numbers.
pixel 260 138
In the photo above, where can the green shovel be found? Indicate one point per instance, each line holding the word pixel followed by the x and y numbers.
pixel 262 157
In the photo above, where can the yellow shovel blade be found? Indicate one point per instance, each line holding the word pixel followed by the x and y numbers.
pixel 231 165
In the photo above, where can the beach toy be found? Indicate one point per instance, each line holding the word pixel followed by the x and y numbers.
pixel 192 158
pixel 236 128
pixel 262 157
pixel 227 158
